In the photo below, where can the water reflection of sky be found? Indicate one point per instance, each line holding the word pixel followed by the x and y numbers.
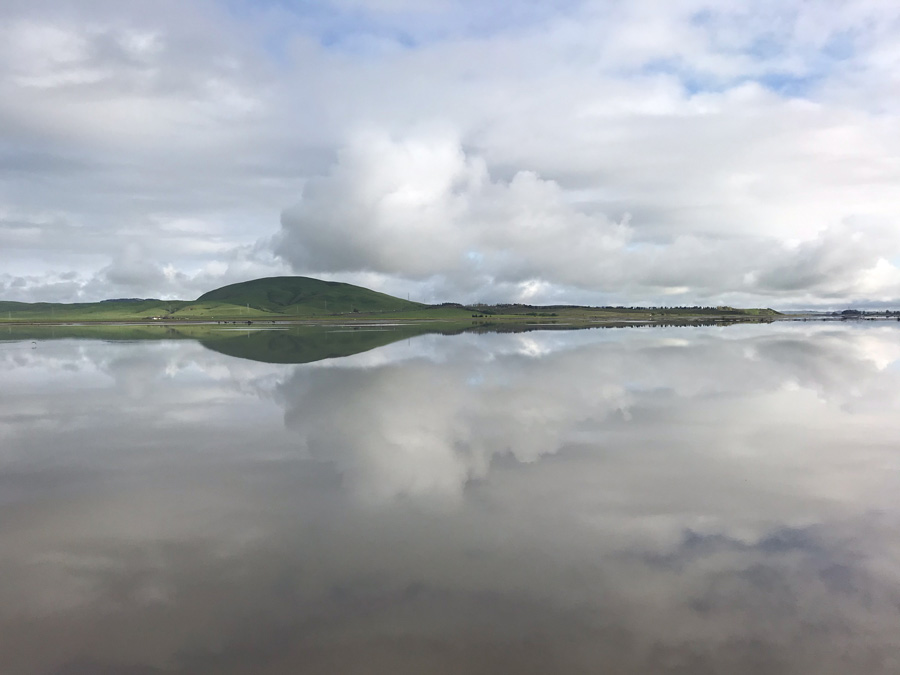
pixel 627 501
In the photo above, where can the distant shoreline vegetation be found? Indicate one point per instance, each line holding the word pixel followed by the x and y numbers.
pixel 861 313
pixel 307 299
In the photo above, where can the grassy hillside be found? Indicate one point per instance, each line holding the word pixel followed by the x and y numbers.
pixel 303 298
pixel 287 295
pixel 271 298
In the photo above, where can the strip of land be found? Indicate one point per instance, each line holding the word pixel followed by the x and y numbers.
pixel 307 300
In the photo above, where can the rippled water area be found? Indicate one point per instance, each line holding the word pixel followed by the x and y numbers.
pixel 689 500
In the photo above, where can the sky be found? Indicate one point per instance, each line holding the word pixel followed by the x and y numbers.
pixel 635 152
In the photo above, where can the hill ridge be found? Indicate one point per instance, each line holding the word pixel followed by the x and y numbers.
pixel 275 294
pixel 306 298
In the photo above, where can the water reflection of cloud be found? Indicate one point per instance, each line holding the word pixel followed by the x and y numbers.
pixel 425 426
pixel 669 502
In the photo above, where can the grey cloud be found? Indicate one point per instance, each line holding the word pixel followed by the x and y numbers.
pixel 422 208
pixel 122 120
pixel 132 270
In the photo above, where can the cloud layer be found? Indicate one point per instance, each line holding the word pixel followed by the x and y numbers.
pixel 575 151
pixel 426 210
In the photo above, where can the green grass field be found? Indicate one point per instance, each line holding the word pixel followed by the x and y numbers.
pixel 312 300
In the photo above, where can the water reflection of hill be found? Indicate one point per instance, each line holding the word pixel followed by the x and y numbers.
pixel 307 344
pixel 292 344
pixel 276 344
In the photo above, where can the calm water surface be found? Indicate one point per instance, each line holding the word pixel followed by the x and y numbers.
pixel 647 500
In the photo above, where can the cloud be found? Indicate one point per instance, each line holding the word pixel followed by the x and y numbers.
pixel 132 270
pixel 423 208
pixel 742 142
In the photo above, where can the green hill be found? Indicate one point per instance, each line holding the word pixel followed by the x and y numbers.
pixel 269 298
pixel 306 299
pixel 285 295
